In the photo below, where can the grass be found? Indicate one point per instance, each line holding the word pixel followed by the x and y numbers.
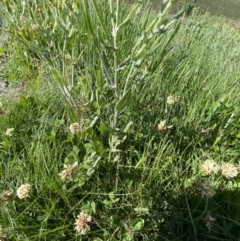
pixel 137 180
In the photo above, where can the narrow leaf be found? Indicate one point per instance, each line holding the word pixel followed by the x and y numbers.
pixel 124 101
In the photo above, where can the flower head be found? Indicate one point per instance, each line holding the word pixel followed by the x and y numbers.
pixel 209 221
pixel 210 167
pixel 67 57
pixel 206 189
pixel 74 128
pixel 162 125
pixel 24 191
pixel 69 172
pixel 229 170
pixel 9 131
pixel 171 100
pixel 7 195
pixel 81 224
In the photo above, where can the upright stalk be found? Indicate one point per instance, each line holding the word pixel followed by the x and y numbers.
pixel 115 27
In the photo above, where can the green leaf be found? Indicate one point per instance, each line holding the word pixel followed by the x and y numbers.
pixel 101 21
pixel 100 82
pixel 125 130
pixel 107 68
pixel 93 167
pixel 138 225
pixel 87 207
pixel 94 121
pixel 90 171
pixel 135 9
pixel 104 128
pixel 93 205
pixel 124 101
pixel 107 203
pixel 98 146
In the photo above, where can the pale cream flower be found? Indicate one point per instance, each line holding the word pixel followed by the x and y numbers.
pixel 162 125
pixel 209 221
pixel 74 128
pixel 81 224
pixel 7 195
pixel 9 131
pixel 68 57
pixel 229 170
pixel 69 172
pixel 171 100
pixel 24 191
pixel 210 167
pixel 206 189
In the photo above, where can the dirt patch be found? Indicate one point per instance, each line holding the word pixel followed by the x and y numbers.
pixel 12 92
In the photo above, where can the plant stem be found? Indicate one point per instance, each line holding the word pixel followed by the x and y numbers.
pixel 116 83
pixel 115 45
